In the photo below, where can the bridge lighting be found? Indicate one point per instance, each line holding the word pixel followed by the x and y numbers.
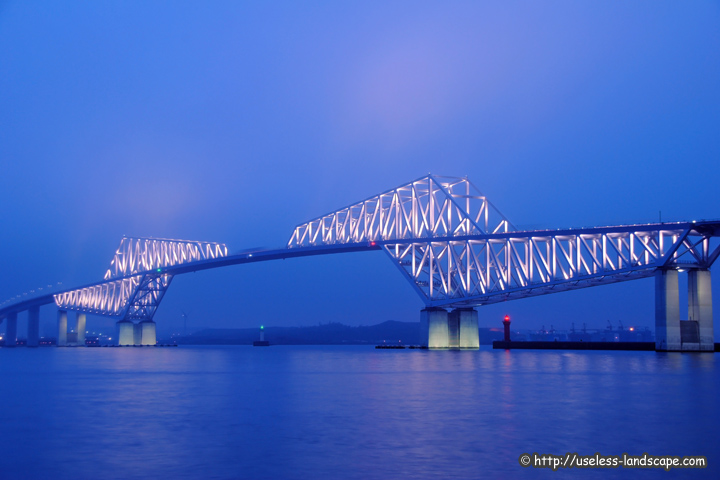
pixel 451 244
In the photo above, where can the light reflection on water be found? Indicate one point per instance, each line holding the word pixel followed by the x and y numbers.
pixel 346 412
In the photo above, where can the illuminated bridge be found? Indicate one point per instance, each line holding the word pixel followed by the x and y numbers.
pixel 448 241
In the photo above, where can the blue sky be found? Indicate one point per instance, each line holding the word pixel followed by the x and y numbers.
pixel 235 121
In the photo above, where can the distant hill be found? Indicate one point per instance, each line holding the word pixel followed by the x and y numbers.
pixel 393 332
pixel 327 334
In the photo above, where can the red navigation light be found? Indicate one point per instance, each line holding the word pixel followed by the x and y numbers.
pixel 372 244
pixel 507 318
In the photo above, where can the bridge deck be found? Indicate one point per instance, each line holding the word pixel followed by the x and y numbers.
pixel 235 259
pixel 514 279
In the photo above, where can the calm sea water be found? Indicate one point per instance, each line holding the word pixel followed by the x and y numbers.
pixel 347 412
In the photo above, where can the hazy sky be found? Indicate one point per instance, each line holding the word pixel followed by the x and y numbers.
pixel 235 121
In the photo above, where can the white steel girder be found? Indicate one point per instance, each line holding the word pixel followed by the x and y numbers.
pixel 136 255
pixel 106 298
pixel 427 207
pixel 134 284
pixel 492 268
pixel 452 245
pixel 457 249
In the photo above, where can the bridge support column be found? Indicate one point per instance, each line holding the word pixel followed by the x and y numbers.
pixel 11 331
pixel 126 333
pixel 81 326
pixel 700 308
pixel 434 327
pixel 33 333
pixel 148 336
pixel 467 328
pixel 667 311
pixel 453 329
pixel 62 328
pixel 137 334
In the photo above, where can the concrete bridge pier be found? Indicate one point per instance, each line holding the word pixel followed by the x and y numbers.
pixel 33 333
pixel 700 308
pixel 673 334
pixel 434 327
pixel 80 326
pixel 62 328
pixel 11 330
pixel 125 333
pixel 667 311
pixel 137 334
pixel 466 320
pixel 147 333
pixel 142 333
pixel 458 329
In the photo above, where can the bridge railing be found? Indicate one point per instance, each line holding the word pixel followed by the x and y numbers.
pixel 31 294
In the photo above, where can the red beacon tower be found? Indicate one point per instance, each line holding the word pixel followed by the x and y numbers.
pixel 506 324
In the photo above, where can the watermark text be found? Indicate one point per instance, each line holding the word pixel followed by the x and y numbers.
pixel 574 460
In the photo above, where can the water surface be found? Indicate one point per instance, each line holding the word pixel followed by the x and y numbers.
pixel 347 412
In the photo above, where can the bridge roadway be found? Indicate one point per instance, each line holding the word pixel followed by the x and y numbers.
pixel 235 259
pixel 710 228
pixel 451 244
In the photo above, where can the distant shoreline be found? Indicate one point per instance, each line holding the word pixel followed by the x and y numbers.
pixel 390 332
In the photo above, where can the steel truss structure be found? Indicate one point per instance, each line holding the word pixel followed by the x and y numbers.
pixel 452 245
pixel 430 206
pixel 136 255
pixel 457 249
pixel 135 283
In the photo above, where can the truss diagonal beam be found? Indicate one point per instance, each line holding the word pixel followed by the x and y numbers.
pixel 427 207
pixel 451 244
pixel 540 262
pixel 135 282
pixel 135 255
pixel 455 247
